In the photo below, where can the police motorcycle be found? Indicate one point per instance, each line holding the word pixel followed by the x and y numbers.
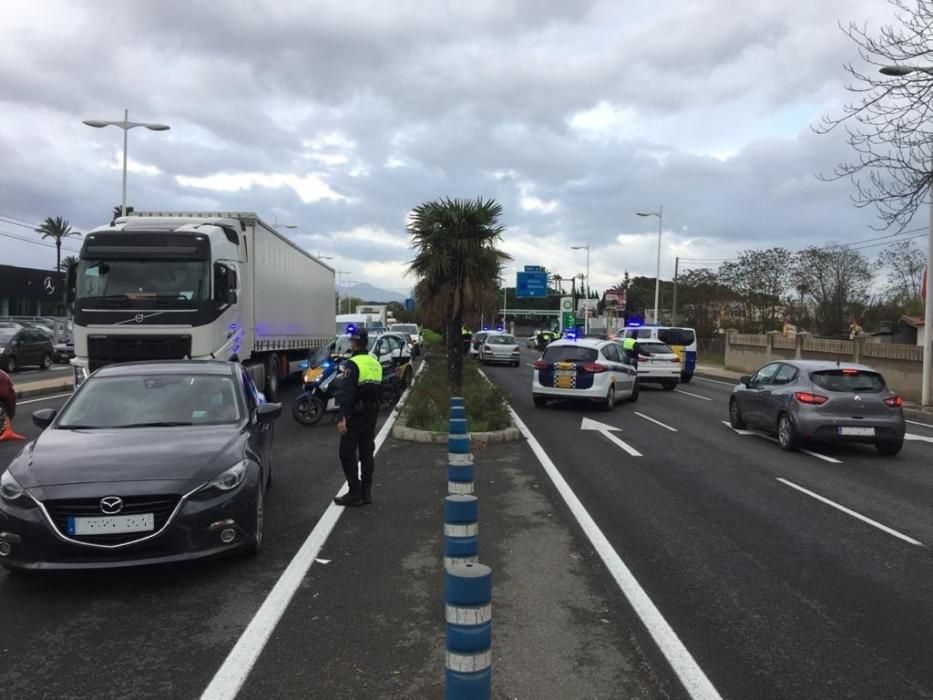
pixel 317 396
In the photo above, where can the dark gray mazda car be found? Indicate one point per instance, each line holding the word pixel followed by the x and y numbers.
pixel 146 463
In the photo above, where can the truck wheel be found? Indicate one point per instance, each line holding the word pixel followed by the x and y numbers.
pixel 272 378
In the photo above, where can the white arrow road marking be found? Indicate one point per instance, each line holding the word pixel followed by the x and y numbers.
pixel 602 428
pixel 825 458
pixel 922 438
pixel 656 422
pixel 847 511
pixel 696 396
pixel 916 422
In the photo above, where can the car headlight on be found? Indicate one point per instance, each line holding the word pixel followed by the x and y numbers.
pixel 230 479
pixel 10 490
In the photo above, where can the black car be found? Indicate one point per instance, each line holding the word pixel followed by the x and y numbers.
pixel 145 463
pixel 20 347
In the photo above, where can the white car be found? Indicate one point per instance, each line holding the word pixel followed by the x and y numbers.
pixel 584 369
pixel 500 347
pixel 658 363
pixel 413 333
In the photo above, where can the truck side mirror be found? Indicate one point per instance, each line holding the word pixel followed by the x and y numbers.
pixel 71 283
pixel 232 284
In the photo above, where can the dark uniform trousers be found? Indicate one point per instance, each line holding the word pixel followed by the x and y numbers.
pixel 357 447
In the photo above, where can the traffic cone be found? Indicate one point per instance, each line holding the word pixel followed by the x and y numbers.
pixel 8 433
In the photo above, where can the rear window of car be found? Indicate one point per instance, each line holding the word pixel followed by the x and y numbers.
pixel 848 380
pixel 411 329
pixel 676 336
pixel 500 340
pixel 654 348
pixel 569 353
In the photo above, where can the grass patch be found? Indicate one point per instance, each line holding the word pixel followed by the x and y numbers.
pixel 428 406
pixel 431 338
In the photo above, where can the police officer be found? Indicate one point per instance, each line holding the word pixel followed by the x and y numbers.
pixel 358 411
pixel 630 350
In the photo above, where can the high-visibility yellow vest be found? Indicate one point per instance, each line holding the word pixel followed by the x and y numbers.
pixel 628 344
pixel 369 367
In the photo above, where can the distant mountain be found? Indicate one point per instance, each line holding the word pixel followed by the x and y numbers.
pixel 368 292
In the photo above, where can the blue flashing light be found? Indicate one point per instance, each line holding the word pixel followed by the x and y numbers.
pixel 485 328
pixel 233 326
pixel 499 328
pixel 350 328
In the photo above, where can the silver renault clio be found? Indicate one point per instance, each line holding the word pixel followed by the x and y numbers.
pixel 804 400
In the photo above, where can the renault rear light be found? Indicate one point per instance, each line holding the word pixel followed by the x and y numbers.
pixel 594 367
pixel 894 402
pixel 541 364
pixel 810 399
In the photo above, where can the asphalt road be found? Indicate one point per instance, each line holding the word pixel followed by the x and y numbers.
pixel 775 591
pixel 159 632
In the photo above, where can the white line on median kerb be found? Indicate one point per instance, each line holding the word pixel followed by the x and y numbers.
pixel 231 676
pixel 692 677
pixel 847 511
pixel 44 398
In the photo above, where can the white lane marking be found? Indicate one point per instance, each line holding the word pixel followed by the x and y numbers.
pixel 923 438
pixel 716 381
pixel 605 430
pixel 696 396
pixel 656 422
pixel 916 422
pixel 235 669
pixel 44 398
pixel 771 438
pixel 691 676
pixel 848 511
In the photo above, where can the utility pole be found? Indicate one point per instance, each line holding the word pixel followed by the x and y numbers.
pixel 674 302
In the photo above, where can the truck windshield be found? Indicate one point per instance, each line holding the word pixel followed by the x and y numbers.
pixel 123 281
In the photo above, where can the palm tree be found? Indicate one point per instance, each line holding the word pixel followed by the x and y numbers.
pixel 118 212
pixel 68 261
pixel 57 229
pixel 457 261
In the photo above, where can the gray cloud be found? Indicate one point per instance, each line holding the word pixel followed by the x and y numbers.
pixel 694 105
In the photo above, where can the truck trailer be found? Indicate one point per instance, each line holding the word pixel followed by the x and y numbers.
pixel 199 285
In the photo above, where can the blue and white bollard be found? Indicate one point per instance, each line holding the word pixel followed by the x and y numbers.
pixel 459 458
pixel 458 412
pixel 461 530
pixel 468 592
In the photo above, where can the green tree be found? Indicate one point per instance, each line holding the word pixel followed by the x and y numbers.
pixel 700 297
pixel 68 261
pixel 456 261
pixel 836 280
pixel 56 229
pixel 118 212
pixel 902 264
pixel 759 280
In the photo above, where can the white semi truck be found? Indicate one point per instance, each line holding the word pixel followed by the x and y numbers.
pixel 199 285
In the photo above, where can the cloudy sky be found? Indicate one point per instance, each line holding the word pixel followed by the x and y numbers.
pixel 339 117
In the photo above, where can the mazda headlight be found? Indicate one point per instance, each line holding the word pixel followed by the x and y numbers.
pixel 10 490
pixel 230 479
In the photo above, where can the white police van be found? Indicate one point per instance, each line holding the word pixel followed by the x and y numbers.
pixel 683 341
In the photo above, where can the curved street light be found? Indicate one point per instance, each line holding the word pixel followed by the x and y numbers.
pixel 126 125
pixel 657 275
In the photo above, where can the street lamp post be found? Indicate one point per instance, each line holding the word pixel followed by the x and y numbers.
pixel 899 71
pixel 657 275
pixel 126 125
pixel 586 308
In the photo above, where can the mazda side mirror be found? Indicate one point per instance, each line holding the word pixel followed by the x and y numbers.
pixel 268 412
pixel 43 417
pixel 745 379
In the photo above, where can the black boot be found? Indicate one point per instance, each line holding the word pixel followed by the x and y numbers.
pixel 366 494
pixel 350 498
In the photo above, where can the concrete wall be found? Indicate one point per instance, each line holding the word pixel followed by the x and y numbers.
pixel 901 365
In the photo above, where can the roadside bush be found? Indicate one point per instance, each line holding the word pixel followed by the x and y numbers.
pixel 428 405
pixel 432 338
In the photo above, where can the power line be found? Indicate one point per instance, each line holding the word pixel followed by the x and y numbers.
pixel 20 220
pixel 7 234
pixel 16 223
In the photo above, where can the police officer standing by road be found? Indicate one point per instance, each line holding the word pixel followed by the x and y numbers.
pixel 358 411
pixel 629 347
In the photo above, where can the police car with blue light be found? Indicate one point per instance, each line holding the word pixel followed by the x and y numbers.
pixel 681 341
pixel 585 368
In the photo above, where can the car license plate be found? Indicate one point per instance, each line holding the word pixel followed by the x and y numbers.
pixel 565 372
pixel 861 432
pixel 111 524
